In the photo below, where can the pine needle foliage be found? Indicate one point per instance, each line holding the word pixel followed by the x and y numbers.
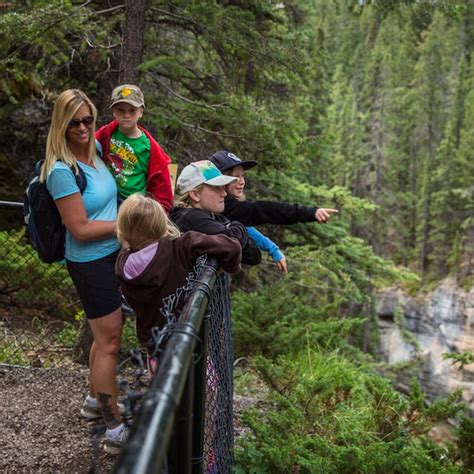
pixel 331 415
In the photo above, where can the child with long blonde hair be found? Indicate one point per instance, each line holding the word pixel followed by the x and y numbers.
pixel 155 259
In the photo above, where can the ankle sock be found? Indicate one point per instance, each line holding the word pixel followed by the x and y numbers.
pixel 91 401
pixel 113 433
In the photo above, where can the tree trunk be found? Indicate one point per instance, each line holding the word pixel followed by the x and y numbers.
pixel 132 47
pixel 427 190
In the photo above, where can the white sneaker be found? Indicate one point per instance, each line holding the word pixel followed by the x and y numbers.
pixel 113 445
pixel 92 412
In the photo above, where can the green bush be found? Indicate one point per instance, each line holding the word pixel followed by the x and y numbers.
pixel 311 302
pixel 67 336
pixel 331 415
pixel 465 441
pixel 28 282
pixel 129 339
pixel 11 352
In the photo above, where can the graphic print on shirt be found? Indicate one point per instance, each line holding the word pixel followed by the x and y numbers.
pixel 128 161
pixel 122 161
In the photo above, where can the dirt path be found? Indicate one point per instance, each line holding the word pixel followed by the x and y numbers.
pixel 41 429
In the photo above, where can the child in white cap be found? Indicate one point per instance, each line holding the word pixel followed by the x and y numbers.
pixel 201 193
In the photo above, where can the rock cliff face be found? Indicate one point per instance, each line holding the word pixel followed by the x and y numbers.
pixel 425 328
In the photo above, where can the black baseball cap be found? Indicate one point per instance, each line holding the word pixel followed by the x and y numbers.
pixel 225 160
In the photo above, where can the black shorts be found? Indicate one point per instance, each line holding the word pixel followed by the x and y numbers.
pixel 96 285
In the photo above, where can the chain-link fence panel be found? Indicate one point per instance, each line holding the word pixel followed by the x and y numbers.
pixel 25 281
pixel 218 438
pixel 34 297
pixel 218 430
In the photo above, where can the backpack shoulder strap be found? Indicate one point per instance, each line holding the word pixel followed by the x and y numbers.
pixel 81 179
pixel 98 147
pixel 80 176
pixel 38 166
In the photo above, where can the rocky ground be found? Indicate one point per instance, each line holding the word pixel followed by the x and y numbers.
pixel 42 430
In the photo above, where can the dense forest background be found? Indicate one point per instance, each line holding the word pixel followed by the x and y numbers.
pixel 338 101
pixel 366 106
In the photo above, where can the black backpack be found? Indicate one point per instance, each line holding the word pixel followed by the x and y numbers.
pixel 44 225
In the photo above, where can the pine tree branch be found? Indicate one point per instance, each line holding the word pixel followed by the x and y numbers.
pixel 42 31
pixel 205 130
pixel 182 98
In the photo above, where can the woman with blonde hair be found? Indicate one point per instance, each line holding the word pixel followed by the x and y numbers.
pixel 91 247
pixel 155 259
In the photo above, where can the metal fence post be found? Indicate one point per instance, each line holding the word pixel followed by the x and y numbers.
pixel 200 400
pixel 180 450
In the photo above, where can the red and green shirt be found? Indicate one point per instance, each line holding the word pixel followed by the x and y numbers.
pixel 128 162
pixel 158 181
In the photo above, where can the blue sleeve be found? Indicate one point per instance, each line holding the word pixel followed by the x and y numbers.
pixel 61 182
pixel 265 244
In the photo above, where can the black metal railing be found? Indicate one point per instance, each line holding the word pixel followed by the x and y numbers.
pixel 170 426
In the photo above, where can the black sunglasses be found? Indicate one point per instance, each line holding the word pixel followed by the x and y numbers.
pixel 87 121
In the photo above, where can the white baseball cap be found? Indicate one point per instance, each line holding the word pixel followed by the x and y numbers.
pixel 201 172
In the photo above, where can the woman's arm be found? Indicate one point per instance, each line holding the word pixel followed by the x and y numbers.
pixel 63 188
pixel 75 220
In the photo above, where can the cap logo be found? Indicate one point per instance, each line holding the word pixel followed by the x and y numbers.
pixel 126 92
pixel 234 157
pixel 207 169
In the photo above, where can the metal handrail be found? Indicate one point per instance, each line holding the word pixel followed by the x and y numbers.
pixel 146 450
pixel 11 204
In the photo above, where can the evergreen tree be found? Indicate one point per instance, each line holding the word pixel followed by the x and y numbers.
pixel 462 254
pixel 433 95
pixel 447 210
pixel 398 207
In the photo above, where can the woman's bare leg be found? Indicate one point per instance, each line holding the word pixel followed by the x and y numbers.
pixel 107 331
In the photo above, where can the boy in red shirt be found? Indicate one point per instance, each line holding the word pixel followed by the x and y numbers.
pixel 132 155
